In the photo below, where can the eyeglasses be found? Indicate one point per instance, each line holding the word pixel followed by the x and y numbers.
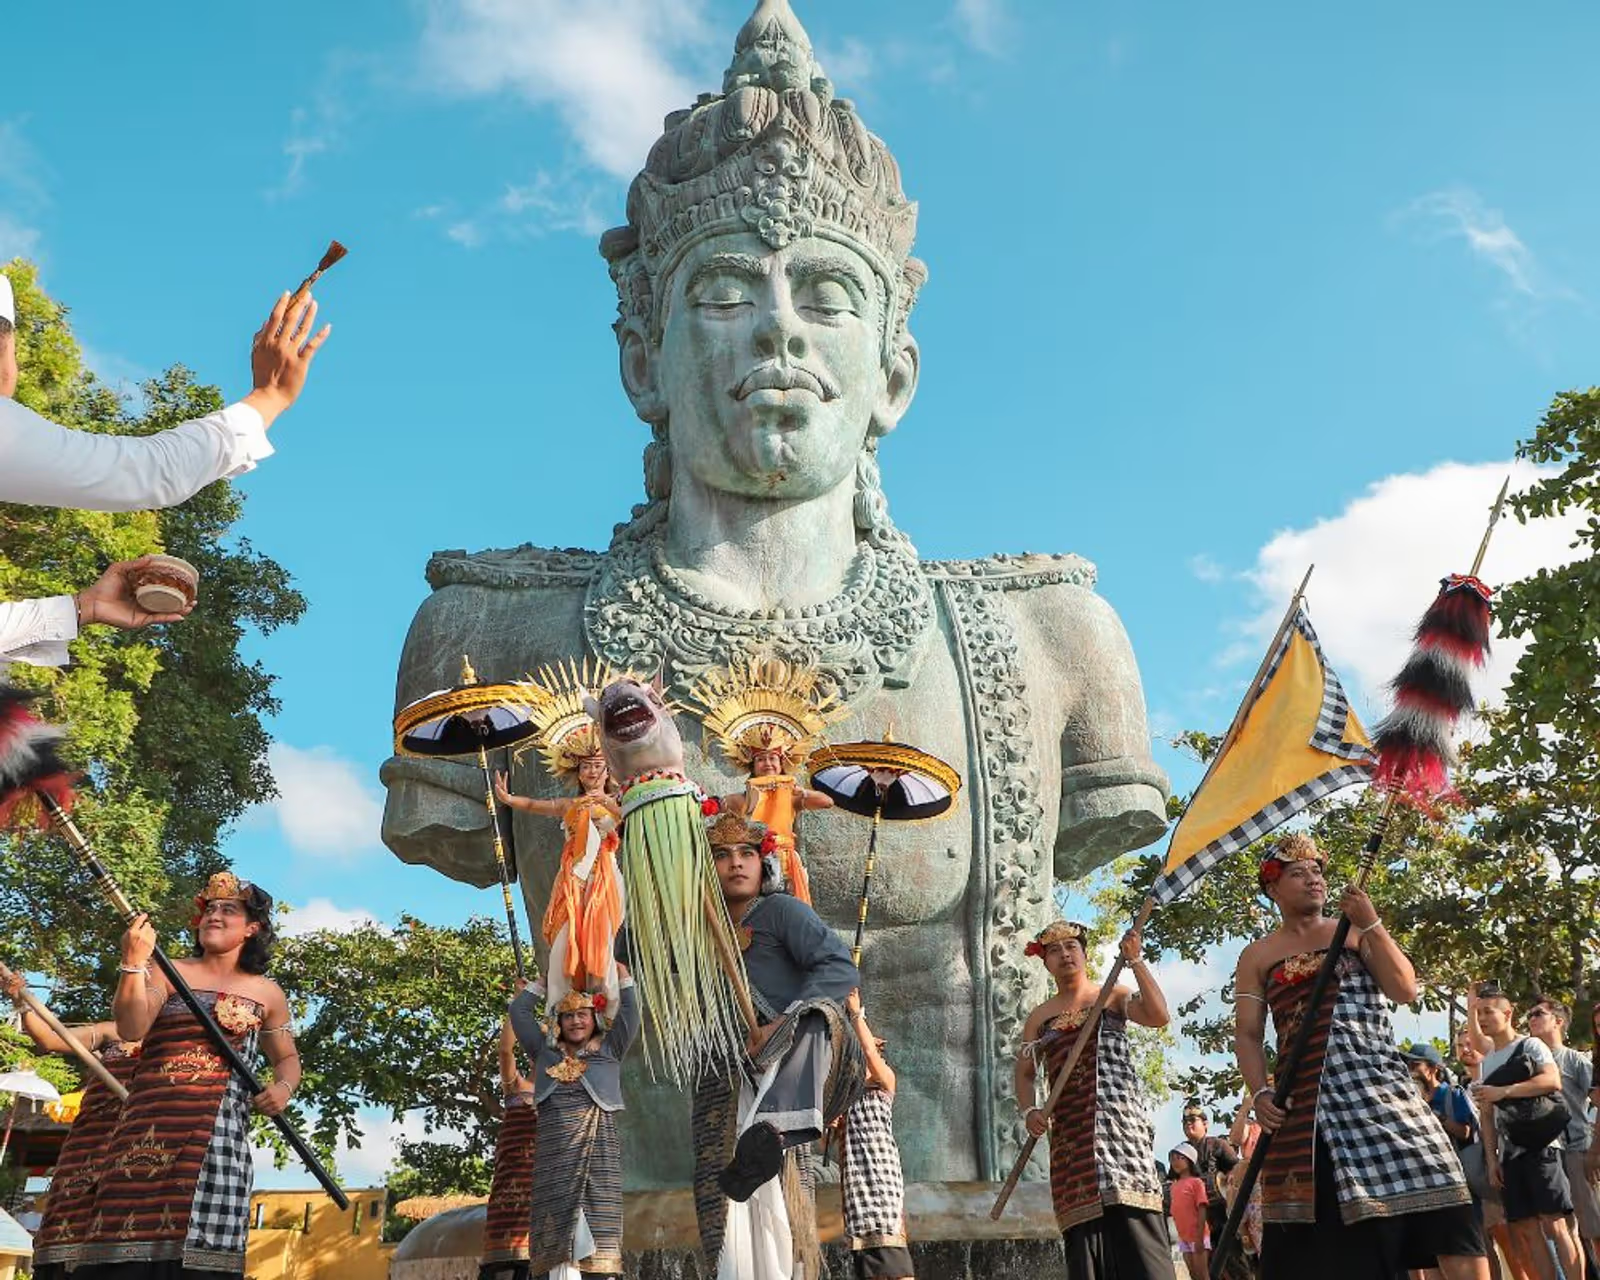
pixel 1538 1013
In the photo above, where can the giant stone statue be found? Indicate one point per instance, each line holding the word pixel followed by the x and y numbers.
pixel 765 281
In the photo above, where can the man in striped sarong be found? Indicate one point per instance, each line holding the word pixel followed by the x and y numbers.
pixel 1360 1179
pixel 576 1228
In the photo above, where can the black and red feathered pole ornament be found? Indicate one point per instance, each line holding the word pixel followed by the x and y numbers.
pixel 1416 740
pixel 30 763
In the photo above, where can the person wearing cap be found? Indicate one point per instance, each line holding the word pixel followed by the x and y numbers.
pixel 47 465
pixel 1360 1179
pixel 1447 1101
pixel 1103 1181
pixel 1214 1160
pixel 1189 1203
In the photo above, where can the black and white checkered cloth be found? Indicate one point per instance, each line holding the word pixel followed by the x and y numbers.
pixel 1333 719
pixel 874 1184
pixel 1124 1137
pixel 1390 1153
pixel 219 1222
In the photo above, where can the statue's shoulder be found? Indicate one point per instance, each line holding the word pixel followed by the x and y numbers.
pixel 1030 571
pixel 519 568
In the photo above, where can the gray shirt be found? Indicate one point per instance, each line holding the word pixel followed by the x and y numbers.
pixel 1577 1078
pixel 793 956
pixel 602 1077
pixel 1539 1054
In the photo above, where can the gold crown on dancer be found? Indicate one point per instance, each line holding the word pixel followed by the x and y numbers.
pixel 573 1001
pixel 775 154
pixel 728 829
pixel 765 703
pixel 1297 846
pixel 564 733
pixel 223 886
pixel 1057 931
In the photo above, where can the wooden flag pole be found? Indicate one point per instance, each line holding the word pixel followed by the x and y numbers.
pixel 1252 691
pixel 79 1049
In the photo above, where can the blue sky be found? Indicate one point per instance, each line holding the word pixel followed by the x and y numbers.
pixel 1214 293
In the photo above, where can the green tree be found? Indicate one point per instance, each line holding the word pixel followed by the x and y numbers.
pixel 408 1020
pixel 165 723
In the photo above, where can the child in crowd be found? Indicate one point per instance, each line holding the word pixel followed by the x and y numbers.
pixel 1189 1210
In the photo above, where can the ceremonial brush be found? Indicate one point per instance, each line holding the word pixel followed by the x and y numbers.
pixel 334 253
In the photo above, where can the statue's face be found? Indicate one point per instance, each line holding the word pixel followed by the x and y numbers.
pixel 771 365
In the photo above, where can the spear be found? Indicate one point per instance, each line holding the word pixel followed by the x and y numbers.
pixel 1413 745
pixel 112 891
pixel 79 1049
pixel 1252 692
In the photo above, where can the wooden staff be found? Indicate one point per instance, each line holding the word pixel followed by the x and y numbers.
pixel 731 965
pixel 108 886
pixel 79 1049
pixel 1145 911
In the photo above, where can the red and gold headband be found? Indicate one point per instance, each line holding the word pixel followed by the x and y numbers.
pixel 1295 847
pixel 573 1001
pixel 1057 931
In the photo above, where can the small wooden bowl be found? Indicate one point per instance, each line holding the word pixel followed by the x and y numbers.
pixel 165 585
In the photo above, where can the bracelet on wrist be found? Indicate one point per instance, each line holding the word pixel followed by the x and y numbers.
pixel 134 968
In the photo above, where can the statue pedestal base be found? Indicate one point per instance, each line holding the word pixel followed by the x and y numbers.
pixel 952 1235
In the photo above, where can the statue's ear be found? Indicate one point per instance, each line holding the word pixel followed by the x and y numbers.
pixel 636 357
pixel 899 387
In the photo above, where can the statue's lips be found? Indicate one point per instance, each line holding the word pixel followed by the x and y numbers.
pixel 782 378
pixel 628 720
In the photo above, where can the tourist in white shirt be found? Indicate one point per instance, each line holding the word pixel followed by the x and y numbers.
pixel 45 464
pixel 1533 1183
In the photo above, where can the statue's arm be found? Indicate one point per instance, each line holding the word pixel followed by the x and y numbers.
pixel 435 813
pixel 1113 797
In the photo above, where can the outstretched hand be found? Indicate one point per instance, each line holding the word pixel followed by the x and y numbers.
pixel 111 600
pixel 281 354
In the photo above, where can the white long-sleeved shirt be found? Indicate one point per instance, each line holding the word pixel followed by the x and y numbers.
pixel 37 631
pixel 47 465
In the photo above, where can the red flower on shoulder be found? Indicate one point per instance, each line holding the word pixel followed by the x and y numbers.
pixel 710 807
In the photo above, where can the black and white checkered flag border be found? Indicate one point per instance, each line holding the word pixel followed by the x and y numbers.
pixel 1333 719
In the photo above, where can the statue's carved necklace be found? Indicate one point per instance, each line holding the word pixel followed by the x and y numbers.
pixel 640 615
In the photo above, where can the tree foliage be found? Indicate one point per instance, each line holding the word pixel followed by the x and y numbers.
pixel 407 1020
pixel 1503 881
pixel 164 723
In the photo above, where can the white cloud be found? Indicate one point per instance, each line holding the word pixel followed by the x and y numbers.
pixel 1460 213
pixel 1205 568
pixel 465 233
pixel 324 805
pixel 1379 561
pixel 849 64
pixel 18 239
pixel 321 913
pixel 23 194
pixel 608 68
pixel 982 23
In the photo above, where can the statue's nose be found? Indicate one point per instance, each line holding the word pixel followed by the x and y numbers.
pixel 779 331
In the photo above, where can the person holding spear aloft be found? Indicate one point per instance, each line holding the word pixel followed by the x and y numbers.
pixel 70 1204
pixel 1360 1179
pixel 1103 1179
pixel 174 1199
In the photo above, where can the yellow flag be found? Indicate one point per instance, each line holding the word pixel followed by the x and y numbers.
pixel 1299 741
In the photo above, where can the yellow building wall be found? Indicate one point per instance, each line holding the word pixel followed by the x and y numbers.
pixel 303 1235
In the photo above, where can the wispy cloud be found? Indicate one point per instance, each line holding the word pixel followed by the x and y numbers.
pixel 324 806
pixel 24 195
pixel 317 127
pixel 610 69
pixel 320 914
pixel 849 64
pixel 547 204
pixel 982 24
pixel 1205 568
pixel 1459 213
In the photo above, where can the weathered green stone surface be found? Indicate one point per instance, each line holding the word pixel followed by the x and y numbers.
pixel 765 285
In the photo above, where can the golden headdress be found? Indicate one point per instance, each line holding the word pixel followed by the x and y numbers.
pixel 576 1000
pixel 565 735
pixel 1297 846
pixel 1057 931
pixel 765 703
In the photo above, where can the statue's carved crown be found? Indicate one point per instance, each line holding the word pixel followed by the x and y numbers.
pixel 774 153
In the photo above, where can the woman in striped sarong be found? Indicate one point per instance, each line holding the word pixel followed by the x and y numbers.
pixel 174 1196
pixel 70 1203
pixel 505 1228
pixel 873 1185
pixel 1103 1179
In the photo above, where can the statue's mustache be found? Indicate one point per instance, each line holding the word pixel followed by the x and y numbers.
pixel 785 377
